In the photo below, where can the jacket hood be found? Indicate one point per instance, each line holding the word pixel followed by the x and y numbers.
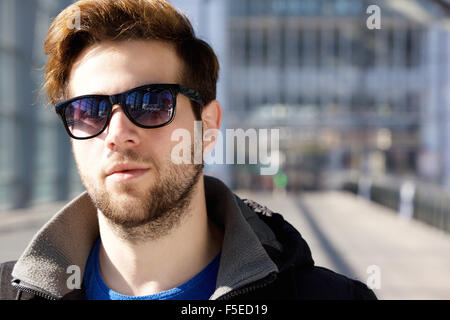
pixel 257 243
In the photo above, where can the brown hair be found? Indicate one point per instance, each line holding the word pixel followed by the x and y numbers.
pixel 117 20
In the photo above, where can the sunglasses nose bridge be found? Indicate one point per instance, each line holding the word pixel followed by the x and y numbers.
pixel 115 99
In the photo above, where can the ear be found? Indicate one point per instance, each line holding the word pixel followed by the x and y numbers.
pixel 211 120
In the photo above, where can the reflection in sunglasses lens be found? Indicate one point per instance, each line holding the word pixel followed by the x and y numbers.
pixel 150 108
pixel 86 117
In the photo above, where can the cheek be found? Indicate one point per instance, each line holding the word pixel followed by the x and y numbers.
pixel 86 157
pixel 180 144
pixel 185 125
pixel 161 143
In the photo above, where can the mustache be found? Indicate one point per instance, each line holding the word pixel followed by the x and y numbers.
pixel 128 156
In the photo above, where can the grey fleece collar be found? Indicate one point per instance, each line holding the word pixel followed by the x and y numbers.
pixel 68 237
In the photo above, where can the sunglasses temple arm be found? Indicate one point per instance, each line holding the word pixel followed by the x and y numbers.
pixel 192 94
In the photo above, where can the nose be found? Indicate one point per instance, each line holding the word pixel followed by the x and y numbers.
pixel 121 132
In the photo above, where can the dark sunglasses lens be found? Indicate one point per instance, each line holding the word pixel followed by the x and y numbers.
pixel 86 117
pixel 150 109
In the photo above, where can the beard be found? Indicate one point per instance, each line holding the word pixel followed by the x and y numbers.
pixel 136 214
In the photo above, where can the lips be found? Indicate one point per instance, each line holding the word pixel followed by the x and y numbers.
pixel 124 172
pixel 121 168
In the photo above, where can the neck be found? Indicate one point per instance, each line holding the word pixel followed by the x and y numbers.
pixel 157 265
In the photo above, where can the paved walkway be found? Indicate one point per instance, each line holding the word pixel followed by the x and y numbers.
pixel 346 234
pixel 361 239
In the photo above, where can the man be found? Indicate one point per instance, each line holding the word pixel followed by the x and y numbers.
pixel 149 228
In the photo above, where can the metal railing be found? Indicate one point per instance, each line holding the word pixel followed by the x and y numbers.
pixel 413 199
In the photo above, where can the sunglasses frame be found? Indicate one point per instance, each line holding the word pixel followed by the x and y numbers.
pixel 120 99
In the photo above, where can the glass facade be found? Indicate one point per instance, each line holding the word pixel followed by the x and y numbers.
pixel 35 160
pixel 319 57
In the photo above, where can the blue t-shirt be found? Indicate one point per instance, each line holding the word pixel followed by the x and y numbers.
pixel 200 287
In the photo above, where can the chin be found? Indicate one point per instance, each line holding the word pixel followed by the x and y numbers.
pixel 129 188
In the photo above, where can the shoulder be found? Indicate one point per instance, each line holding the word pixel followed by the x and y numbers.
pixel 299 277
pixel 321 283
pixel 7 291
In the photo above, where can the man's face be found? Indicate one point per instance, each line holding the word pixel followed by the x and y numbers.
pixel 135 198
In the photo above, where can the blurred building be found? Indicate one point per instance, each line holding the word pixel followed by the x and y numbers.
pixel 35 158
pixel 344 96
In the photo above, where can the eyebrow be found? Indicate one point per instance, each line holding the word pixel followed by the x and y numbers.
pixel 103 93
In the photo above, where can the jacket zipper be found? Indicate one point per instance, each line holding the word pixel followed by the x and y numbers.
pixel 34 291
pixel 253 287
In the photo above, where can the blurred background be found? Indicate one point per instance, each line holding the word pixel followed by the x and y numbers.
pixel 362 112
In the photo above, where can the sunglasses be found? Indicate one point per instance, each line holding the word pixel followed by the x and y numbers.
pixel 149 106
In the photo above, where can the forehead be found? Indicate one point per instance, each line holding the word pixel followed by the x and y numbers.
pixel 114 67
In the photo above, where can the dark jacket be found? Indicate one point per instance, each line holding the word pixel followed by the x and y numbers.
pixel 263 256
